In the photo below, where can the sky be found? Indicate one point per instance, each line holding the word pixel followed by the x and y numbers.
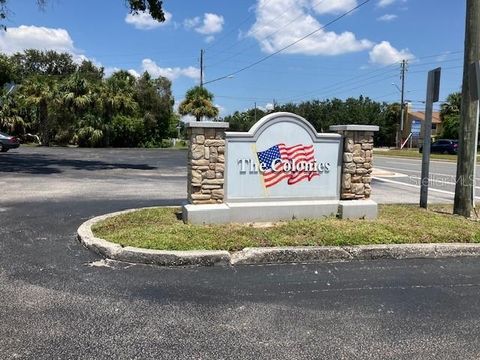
pixel 254 46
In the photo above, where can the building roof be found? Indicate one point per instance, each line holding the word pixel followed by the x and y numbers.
pixel 420 115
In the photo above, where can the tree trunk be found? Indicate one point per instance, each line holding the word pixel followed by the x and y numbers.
pixel 44 125
pixel 467 151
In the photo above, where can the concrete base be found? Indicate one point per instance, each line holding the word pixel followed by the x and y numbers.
pixel 358 209
pixel 258 211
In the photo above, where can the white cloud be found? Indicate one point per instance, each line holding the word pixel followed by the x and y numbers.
pixel 18 39
pixel 387 17
pixel 273 30
pixel 209 39
pixel 333 6
pixel 385 3
pixel 144 21
pixel 269 107
pixel 134 73
pixel 212 24
pixel 191 23
pixel 171 73
pixel 110 70
pixel 385 54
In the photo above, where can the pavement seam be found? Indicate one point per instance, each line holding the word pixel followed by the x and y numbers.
pixel 266 255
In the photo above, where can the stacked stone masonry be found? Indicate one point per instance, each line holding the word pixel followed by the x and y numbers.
pixel 357 165
pixel 206 165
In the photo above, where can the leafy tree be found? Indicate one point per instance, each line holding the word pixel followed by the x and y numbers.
pixel 154 7
pixel 452 105
pixel 91 131
pixel 36 62
pixel 322 114
pixel 10 118
pixel 38 93
pixel 450 115
pixel 450 126
pixel 198 103
pixel 8 70
pixel 90 72
pixel 155 99
pixel 68 103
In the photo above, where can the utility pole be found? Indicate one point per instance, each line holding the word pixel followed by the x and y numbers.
pixel 467 152
pixel 403 69
pixel 402 101
pixel 202 52
pixel 255 111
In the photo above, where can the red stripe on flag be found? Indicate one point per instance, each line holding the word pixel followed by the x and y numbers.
pixel 299 154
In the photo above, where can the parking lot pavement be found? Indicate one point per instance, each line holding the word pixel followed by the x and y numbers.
pixel 39 174
pixel 60 301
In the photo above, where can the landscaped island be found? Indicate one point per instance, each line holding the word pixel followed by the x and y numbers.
pixel 162 229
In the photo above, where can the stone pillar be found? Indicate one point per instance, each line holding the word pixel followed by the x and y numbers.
pixel 206 162
pixel 357 160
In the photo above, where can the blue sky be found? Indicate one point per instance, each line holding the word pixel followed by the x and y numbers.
pixel 357 55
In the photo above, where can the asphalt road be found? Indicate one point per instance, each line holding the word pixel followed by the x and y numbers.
pixel 59 301
pixel 404 186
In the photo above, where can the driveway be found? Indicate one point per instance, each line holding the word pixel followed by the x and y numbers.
pixel 60 301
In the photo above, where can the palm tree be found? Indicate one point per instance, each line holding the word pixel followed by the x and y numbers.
pixel 452 105
pixel 10 118
pixel 116 95
pixel 39 93
pixel 76 95
pixel 198 103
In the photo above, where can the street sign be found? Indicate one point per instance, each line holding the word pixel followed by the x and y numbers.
pixel 416 128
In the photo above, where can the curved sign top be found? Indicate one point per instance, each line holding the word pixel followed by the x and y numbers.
pixel 282 157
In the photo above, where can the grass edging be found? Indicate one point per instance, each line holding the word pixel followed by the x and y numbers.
pixel 266 254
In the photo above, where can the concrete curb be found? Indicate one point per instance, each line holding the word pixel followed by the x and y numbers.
pixel 272 255
pixel 146 256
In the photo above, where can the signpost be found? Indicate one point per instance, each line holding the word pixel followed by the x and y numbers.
pixel 433 91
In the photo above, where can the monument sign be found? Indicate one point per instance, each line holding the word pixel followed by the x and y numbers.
pixel 281 169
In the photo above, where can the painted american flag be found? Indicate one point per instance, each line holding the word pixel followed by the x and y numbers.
pixel 300 153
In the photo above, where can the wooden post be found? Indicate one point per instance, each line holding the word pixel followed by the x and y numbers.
pixel 467 151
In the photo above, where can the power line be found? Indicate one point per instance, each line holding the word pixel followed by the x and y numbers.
pixel 235 28
pixel 286 12
pixel 291 44
pixel 266 37
pixel 356 79
pixel 360 78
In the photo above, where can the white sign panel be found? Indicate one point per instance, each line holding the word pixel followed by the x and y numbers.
pixel 282 157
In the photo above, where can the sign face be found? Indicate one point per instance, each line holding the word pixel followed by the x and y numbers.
pixel 282 157
pixel 416 128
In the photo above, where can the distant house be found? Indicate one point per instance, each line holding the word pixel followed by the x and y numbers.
pixel 413 123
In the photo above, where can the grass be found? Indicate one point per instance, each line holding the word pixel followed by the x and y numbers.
pixel 397 224
pixel 414 153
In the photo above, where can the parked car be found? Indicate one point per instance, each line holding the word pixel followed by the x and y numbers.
pixel 443 146
pixel 8 142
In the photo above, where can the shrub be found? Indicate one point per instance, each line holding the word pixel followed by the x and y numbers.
pixel 166 143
